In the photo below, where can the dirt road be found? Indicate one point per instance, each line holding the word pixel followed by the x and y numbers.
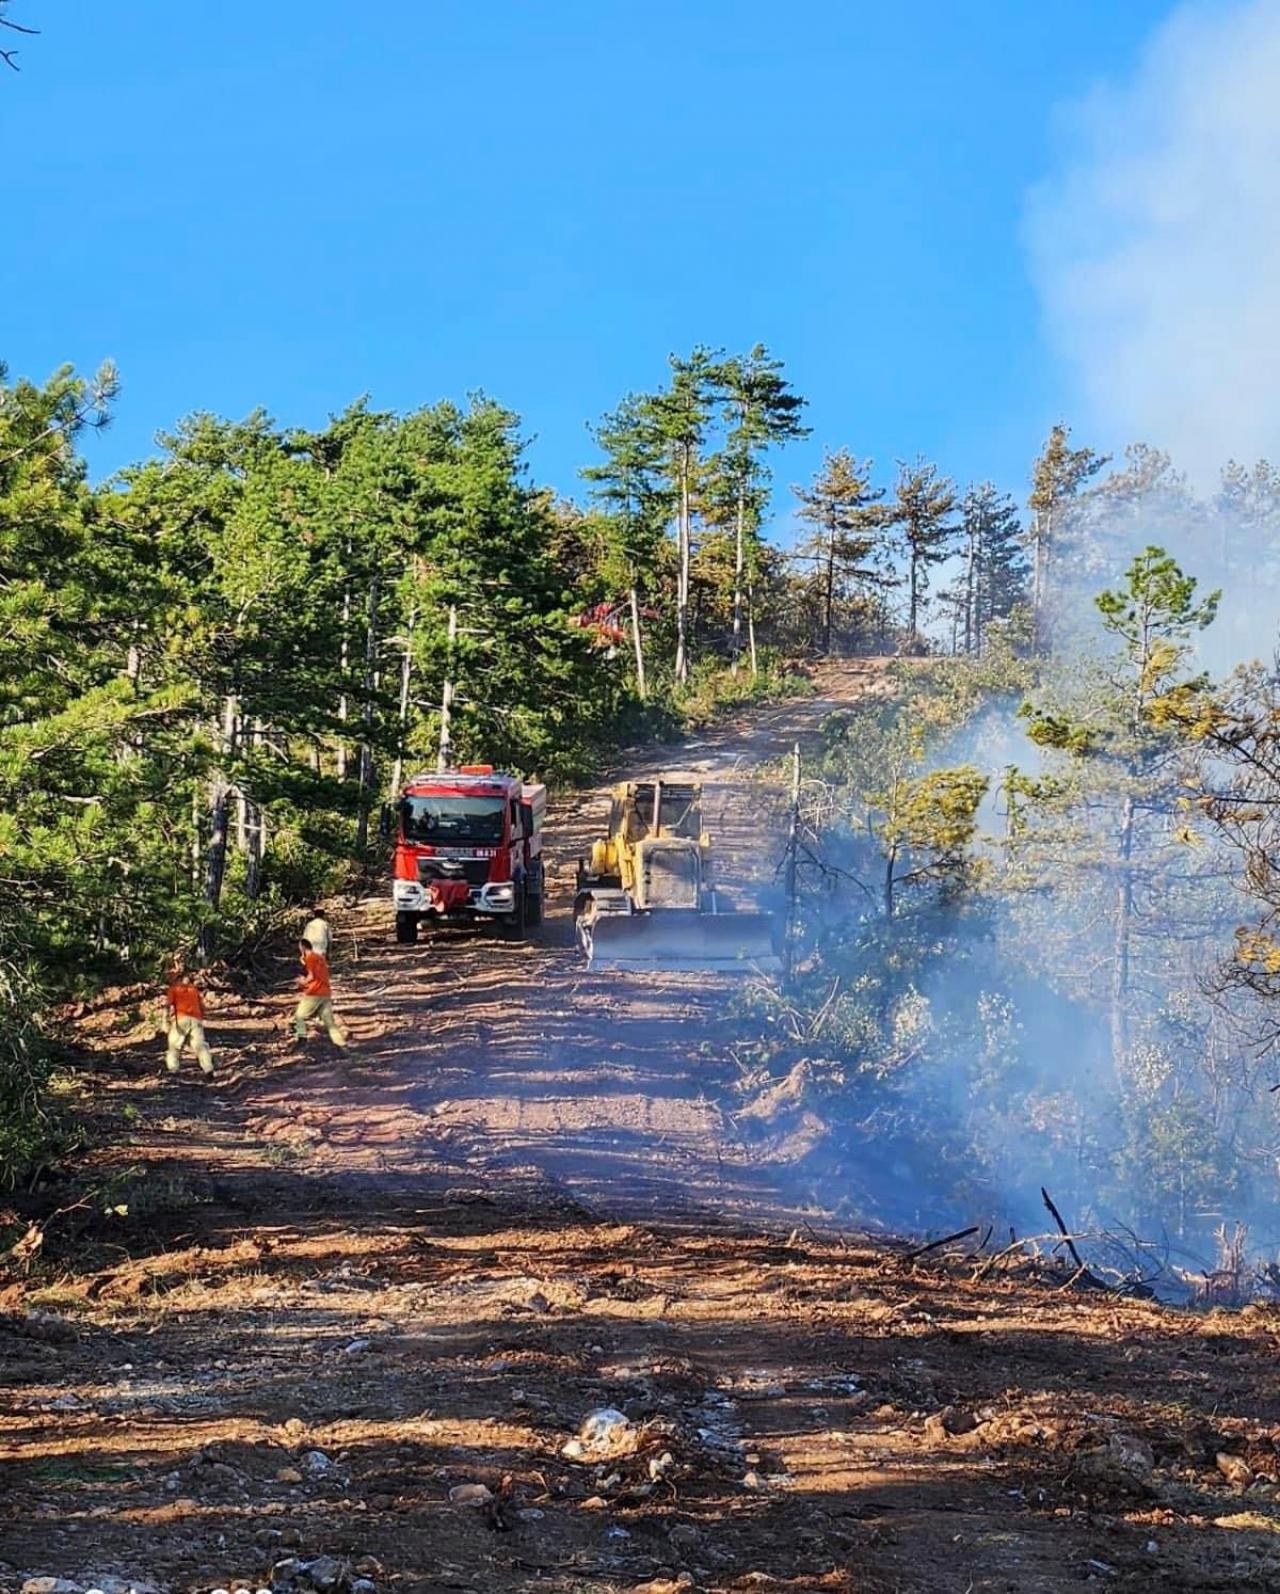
pixel 344 1291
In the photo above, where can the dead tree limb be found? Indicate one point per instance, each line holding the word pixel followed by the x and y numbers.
pixel 9 56
pixel 1085 1274
pixel 934 1245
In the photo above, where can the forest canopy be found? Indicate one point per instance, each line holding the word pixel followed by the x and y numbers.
pixel 218 664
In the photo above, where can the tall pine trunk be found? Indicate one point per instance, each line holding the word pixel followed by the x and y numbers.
pixel 683 573
pixel 739 566
pixel 828 618
pixel 446 695
pixel 970 577
pixel 914 609
pixel 1043 531
pixel 751 629
pixel 369 686
pixel 344 665
pixel 255 822
pixel 1120 956
pixel 637 640
pixel 402 713
pixel 887 888
pixel 215 864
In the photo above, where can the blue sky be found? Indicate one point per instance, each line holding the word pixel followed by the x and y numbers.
pixel 290 204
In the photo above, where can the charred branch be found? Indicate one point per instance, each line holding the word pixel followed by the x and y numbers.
pixel 9 57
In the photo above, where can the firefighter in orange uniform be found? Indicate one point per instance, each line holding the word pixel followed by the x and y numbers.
pixel 317 997
pixel 185 1007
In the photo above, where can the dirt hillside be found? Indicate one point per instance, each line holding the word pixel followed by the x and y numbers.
pixel 347 1331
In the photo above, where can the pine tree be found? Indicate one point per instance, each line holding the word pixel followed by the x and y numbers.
pixel 630 485
pixel 760 410
pixel 994 571
pixel 842 507
pixel 1121 740
pixel 681 416
pixel 922 507
pixel 1057 477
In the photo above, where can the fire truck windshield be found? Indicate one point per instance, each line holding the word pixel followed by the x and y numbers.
pixel 453 821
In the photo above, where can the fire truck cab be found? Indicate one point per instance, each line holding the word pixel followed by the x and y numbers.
pixel 468 846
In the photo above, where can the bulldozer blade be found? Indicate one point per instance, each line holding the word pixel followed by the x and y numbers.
pixel 735 943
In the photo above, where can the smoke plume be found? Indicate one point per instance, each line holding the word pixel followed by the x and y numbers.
pixel 1156 243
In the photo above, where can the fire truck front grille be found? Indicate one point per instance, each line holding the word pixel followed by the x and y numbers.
pixel 475 871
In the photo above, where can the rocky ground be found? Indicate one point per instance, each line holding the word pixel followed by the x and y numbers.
pixel 351 1317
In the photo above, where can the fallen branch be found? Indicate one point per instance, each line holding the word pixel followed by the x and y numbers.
pixel 1084 1273
pixel 934 1245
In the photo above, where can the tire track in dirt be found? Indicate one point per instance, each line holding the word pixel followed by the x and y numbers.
pixel 347 1291
pixel 521 1066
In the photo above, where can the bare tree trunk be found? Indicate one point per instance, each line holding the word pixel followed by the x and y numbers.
pixel 255 824
pixel 792 869
pixel 1121 944
pixel 637 640
pixel 682 578
pixel 366 770
pixel 242 822
pixel 406 677
pixel 914 611
pixel 751 631
pixel 739 565
pixel 215 866
pixel 197 848
pixel 970 575
pixel 446 696
pixel 1043 532
pixel 829 612
pixel 344 665
pixel 131 747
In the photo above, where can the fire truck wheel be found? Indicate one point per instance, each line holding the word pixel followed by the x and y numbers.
pixel 533 911
pixel 514 927
pixel 406 928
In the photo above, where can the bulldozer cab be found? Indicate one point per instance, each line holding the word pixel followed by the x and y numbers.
pixel 679 811
pixel 644 901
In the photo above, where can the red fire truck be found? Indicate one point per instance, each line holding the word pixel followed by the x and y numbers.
pixel 468 847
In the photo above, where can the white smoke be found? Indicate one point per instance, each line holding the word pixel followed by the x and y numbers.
pixel 1156 243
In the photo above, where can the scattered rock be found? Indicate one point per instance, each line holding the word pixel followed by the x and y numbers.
pixel 683 1537
pixel 288 1475
pixel 356 1346
pixel 470 1494
pixel 326 1573
pixel 67 1403
pixel 364 1585
pixel 606 1434
pixel 50 1585
pixel 1126 1461
pixel 315 1464
pixel 949 1423
pixel 1237 1472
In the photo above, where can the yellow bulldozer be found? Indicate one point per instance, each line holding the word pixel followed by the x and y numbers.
pixel 644 900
